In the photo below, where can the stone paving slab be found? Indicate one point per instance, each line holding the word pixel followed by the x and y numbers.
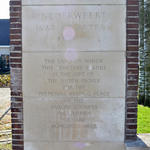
pixel 146 138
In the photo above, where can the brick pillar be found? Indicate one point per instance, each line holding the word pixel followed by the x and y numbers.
pixel 132 69
pixel 16 74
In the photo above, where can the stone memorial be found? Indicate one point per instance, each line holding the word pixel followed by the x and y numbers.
pixel 75 96
pixel 74 74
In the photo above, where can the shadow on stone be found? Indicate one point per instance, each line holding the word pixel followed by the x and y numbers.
pixel 139 144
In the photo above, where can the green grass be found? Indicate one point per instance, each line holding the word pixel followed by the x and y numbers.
pixel 143 119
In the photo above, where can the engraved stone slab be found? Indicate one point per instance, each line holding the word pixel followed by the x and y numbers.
pixel 74 74
pixel 83 28
pixel 46 2
pixel 74 119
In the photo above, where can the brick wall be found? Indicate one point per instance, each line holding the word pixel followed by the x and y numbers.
pixel 132 69
pixel 16 72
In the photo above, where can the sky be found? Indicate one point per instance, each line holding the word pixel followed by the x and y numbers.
pixel 4 9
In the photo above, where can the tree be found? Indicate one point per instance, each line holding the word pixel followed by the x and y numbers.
pixel 144 53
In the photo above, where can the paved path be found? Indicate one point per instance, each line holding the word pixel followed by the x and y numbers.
pixel 4 99
pixel 145 138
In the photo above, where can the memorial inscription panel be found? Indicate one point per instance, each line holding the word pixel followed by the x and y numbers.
pixel 74 74
pixel 59 28
pixel 74 119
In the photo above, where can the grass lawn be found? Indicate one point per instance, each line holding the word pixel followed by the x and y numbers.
pixel 143 119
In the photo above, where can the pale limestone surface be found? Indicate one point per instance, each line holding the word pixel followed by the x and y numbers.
pixel 74 145
pixel 74 74
pixel 75 119
pixel 49 2
pixel 83 28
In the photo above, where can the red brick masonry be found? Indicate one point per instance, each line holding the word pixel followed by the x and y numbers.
pixel 132 69
pixel 16 72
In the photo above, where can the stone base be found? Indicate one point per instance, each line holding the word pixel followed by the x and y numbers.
pixel 47 145
pixel 136 145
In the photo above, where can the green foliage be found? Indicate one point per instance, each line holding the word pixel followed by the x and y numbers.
pixel 143 119
pixel 144 53
pixel 4 65
pixel 4 80
pixel 5 147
